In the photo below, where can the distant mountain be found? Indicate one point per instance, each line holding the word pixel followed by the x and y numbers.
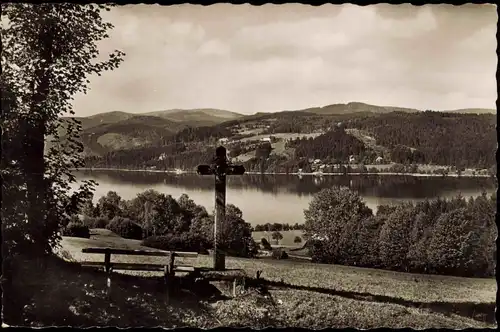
pixel 474 111
pixel 104 118
pixel 356 107
pixel 134 132
pixel 197 117
pixel 110 131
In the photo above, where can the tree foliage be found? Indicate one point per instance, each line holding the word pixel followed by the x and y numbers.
pixel 394 239
pixel 439 138
pixel 126 228
pixel 237 234
pixel 48 53
pixel 277 236
pixel 333 214
pixel 454 237
pixel 165 222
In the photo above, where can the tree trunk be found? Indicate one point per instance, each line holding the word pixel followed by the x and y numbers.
pixel 34 169
pixel 34 143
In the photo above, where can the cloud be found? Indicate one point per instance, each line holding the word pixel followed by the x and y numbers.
pixel 214 47
pixel 269 58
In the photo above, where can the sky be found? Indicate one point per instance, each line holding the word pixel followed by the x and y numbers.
pixel 269 58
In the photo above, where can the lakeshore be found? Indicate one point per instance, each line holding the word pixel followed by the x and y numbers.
pixel 291 173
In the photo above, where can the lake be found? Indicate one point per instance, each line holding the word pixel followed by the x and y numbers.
pixel 283 198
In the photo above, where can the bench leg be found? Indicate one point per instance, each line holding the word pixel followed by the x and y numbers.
pixel 169 275
pixel 234 287
pixel 108 284
pixel 167 280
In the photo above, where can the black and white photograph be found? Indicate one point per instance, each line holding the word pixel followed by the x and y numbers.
pixel 249 166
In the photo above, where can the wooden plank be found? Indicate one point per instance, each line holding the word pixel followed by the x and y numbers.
pixel 137 252
pixel 140 267
pixel 127 266
pixel 185 268
pixel 186 254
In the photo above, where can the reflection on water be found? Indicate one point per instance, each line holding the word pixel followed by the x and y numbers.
pixel 283 198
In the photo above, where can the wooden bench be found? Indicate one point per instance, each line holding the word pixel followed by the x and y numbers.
pixel 168 268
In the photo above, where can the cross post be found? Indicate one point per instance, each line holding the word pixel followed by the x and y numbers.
pixel 220 168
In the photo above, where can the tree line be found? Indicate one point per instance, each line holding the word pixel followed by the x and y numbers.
pixel 279 227
pixel 166 223
pixel 452 237
pixel 171 156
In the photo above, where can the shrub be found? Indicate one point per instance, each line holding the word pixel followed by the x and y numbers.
pixel 362 247
pixel 237 234
pixel 96 222
pixel 279 254
pixel 317 252
pixel 297 239
pixel 180 242
pixel 459 246
pixel 126 228
pixel 265 244
pixel 76 229
pixel 394 240
pixel 101 222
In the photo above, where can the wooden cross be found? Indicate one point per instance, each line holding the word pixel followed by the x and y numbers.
pixel 220 168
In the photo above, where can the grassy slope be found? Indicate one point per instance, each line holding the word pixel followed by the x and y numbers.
pixel 339 302
pixel 278 147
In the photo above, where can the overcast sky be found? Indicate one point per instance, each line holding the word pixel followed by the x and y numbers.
pixel 286 57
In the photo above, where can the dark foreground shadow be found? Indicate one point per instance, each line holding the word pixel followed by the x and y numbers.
pixel 53 292
pixel 484 312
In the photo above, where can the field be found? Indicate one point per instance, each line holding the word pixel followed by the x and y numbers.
pixel 287 241
pixel 298 295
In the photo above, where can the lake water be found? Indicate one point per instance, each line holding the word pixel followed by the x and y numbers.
pixel 283 198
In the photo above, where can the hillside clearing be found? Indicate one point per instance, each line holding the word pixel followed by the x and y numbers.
pixel 283 136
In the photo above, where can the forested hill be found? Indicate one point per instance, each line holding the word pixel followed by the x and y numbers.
pixel 448 139
pixel 438 137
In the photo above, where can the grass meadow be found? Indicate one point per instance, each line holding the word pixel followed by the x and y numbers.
pixel 298 294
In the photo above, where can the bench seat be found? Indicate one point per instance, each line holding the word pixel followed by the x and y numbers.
pixel 139 267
